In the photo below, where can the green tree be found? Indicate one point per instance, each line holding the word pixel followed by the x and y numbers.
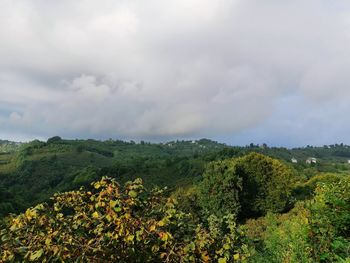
pixel 250 186
pixel 54 139
pixel 267 185
pixel 220 188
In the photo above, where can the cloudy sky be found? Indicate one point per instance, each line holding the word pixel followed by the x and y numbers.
pixel 238 71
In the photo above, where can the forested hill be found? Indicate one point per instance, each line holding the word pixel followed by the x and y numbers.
pixel 32 172
pixel 223 203
pixel 37 170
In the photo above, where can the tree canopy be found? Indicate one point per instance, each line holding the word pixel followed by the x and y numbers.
pixel 248 186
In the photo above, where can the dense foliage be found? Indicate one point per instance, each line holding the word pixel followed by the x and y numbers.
pixel 250 186
pixel 219 191
pixel 114 224
pixel 330 221
pixel 38 169
pixel 32 172
pixel 222 204
pixel 315 230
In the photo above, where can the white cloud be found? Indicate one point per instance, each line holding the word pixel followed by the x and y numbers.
pixel 166 68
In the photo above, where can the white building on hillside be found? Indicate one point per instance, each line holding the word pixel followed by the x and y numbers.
pixel 311 160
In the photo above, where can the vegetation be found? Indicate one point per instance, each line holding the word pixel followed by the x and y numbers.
pixel 315 230
pixel 250 186
pixel 8 146
pixel 117 224
pixel 94 201
pixel 38 170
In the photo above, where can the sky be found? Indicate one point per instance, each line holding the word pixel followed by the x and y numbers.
pixel 237 71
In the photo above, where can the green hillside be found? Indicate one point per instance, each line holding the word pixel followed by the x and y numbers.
pixel 223 204
pixel 37 170
pixel 31 172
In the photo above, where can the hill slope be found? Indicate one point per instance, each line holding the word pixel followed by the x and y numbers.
pixel 30 173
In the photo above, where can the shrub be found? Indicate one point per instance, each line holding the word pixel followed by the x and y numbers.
pixel 117 224
pixel 330 221
pixel 306 190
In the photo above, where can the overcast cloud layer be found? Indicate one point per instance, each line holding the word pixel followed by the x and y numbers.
pixel 235 70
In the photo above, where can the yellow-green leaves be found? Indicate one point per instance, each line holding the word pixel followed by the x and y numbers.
pixel 30 214
pixel 152 228
pixel 48 241
pixel 6 256
pixel 95 214
pixel 130 238
pixel 113 224
pixel 161 223
pixel 132 194
pixel 34 256
pixel 164 236
pixel 113 203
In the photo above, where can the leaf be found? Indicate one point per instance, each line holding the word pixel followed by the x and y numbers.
pixel 205 257
pixel 117 209
pixel 164 236
pixel 130 238
pixel 155 248
pixel 161 223
pixel 236 256
pixel 95 214
pixel 139 235
pixel 36 255
pixel 226 246
pixel 132 194
pixel 113 203
pixel 30 214
pixel 48 241
pixel 222 260
pixel 13 227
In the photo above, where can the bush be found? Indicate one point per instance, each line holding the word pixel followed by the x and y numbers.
pixel 317 230
pixel 286 237
pixel 330 221
pixel 188 200
pixel 117 224
pixel 306 190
